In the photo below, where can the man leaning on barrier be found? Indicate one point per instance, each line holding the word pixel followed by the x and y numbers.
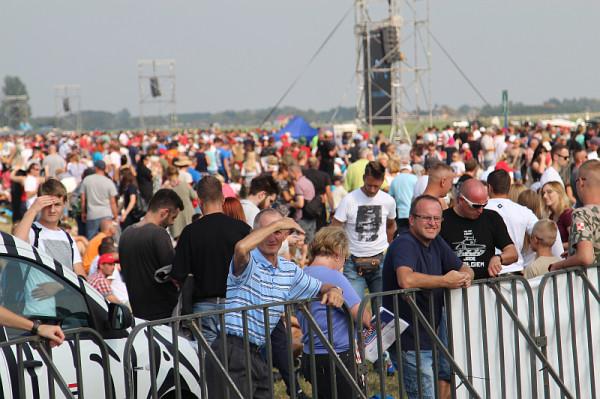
pixel 12 320
pixel 584 238
pixel 420 258
pixel 258 276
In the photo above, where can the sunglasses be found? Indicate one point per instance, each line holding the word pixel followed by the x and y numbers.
pixel 473 204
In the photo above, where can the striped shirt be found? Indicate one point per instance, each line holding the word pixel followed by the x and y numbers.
pixel 262 283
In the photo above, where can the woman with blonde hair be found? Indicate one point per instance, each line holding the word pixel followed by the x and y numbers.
pixel 532 200
pixel 515 190
pixel 558 208
pixel 327 255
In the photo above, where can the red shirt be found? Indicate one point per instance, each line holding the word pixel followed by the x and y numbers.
pixel 101 283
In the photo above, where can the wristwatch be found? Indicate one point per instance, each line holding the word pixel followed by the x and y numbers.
pixel 35 327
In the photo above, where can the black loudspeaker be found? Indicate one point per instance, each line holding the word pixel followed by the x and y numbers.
pixel 66 105
pixel 154 87
pixel 391 43
pixel 379 93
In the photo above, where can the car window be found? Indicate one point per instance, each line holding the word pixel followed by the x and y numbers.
pixel 34 292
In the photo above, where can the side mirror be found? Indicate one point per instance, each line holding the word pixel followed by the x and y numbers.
pixel 119 316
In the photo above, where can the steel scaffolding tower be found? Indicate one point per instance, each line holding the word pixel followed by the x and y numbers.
pixel 67 105
pixel 407 95
pixel 156 77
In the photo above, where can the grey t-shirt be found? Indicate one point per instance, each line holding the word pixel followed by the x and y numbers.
pixel 98 189
pixel 53 162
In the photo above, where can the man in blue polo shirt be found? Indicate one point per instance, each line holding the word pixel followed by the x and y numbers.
pixel 258 276
pixel 420 258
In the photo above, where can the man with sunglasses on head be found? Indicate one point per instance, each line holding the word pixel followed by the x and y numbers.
pixel 474 232
pixel 560 159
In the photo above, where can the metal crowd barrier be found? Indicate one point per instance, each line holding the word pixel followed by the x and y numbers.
pixel 207 353
pixel 54 375
pixel 569 332
pixel 507 337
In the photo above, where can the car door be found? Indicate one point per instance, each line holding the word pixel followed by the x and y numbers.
pixel 37 292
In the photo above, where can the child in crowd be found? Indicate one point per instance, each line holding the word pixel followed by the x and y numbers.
pixel 542 238
pixel 457 165
pixel 338 190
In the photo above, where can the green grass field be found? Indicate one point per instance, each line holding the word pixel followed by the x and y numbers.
pixel 391 386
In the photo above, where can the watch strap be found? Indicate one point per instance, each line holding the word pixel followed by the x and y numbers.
pixel 35 327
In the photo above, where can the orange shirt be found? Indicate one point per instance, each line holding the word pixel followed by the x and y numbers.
pixel 92 251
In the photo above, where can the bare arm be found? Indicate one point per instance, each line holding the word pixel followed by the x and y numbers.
pixel 79 270
pixel 366 316
pixel 112 298
pixel 583 256
pixel 13 320
pixel 390 229
pixel 15 178
pixel 113 207
pixel 132 201
pixel 241 255
pixel 22 229
pixel 509 255
pixel 335 222
pixel 329 195
pixel 407 278
pixel 83 207
pixel 298 202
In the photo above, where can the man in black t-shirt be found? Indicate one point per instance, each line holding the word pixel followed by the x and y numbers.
pixel 204 249
pixel 474 233
pixel 146 256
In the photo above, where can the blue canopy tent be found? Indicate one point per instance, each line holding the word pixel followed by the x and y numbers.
pixel 297 127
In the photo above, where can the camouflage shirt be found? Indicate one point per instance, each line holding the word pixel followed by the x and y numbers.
pixel 586 227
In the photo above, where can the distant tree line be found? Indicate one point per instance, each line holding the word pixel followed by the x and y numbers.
pixel 15 110
pixel 102 120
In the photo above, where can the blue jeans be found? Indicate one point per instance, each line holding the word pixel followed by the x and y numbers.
pixel 371 281
pixel 210 324
pixel 409 364
pixel 411 384
pixel 92 227
pixel 444 372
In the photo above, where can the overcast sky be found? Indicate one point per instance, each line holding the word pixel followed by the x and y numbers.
pixel 242 54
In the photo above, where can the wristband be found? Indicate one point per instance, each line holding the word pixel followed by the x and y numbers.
pixel 501 261
pixel 35 327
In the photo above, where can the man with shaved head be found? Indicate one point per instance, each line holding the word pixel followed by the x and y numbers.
pixel 439 182
pixel 584 238
pixel 474 232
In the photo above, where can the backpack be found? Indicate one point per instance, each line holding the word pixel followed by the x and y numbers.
pixel 36 240
pixel 313 209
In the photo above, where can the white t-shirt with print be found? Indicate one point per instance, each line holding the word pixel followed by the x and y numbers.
pixel 56 245
pixel 365 220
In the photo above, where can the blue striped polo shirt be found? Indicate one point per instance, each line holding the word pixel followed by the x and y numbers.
pixel 262 283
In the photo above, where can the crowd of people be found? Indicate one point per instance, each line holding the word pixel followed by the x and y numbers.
pixel 250 219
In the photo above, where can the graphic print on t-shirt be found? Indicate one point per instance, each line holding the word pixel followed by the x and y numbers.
pixel 468 250
pixel 59 250
pixel 368 221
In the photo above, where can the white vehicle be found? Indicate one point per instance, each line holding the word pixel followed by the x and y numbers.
pixel 72 302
